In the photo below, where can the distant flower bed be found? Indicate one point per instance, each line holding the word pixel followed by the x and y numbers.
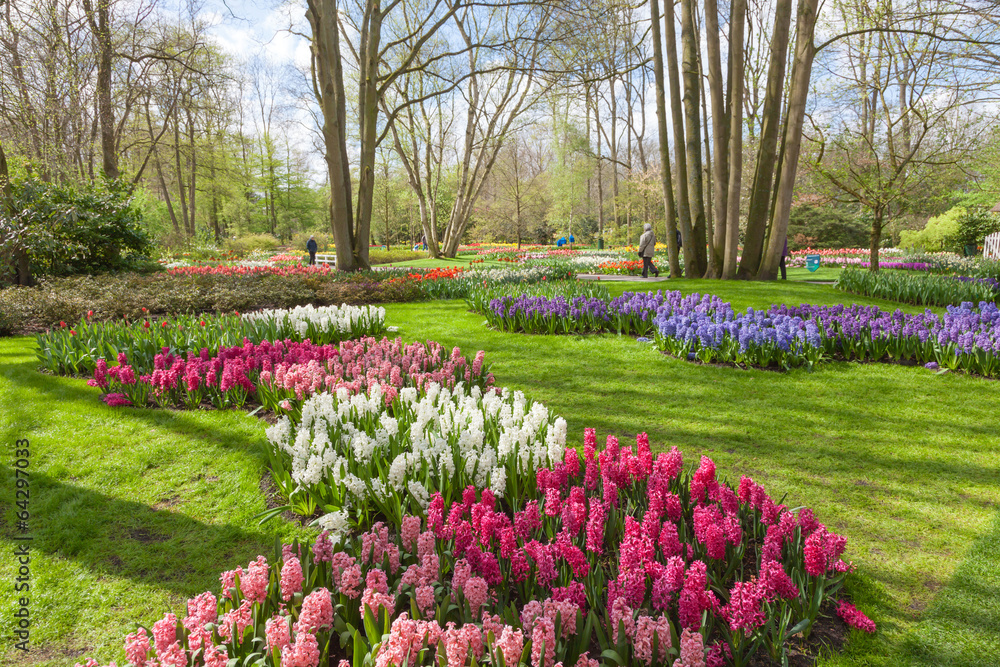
pixel 619 555
pixel 75 349
pixel 254 269
pixel 280 376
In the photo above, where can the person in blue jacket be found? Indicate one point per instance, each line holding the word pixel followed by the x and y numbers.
pixel 312 248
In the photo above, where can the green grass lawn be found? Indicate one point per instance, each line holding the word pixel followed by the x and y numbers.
pixel 134 510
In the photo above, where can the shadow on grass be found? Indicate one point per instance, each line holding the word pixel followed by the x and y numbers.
pixel 120 538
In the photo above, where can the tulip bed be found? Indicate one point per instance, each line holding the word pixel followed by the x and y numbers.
pixel 74 350
pixel 921 290
pixel 617 555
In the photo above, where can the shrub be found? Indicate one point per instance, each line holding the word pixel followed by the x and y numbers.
pixel 124 296
pixel 822 227
pixel 938 234
pixel 324 242
pixel 974 227
pixel 397 254
pixel 244 245
pixel 67 229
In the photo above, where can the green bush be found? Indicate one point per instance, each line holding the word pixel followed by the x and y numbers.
pixel 974 227
pixel 244 245
pixel 69 229
pixel 397 254
pixel 938 234
pixel 825 227
pixel 324 242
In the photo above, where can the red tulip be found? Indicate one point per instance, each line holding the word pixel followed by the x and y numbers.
pixel 62 324
pixel 72 332
pixel 146 324
pixel 90 314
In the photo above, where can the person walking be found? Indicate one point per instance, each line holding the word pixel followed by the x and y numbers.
pixel 647 246
pixel 781 264
pixel 423 241
pixel 312 248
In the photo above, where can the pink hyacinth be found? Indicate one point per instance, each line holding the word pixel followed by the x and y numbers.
pixel 253 584
pixel 116 400
pixel 303 653
pixel 323 548
pixel 646 628
pixel 425 600
pixel 277 633
pixel 216 656
pixel 854 617
pixel 409 532
pixel 511 645
pixel 621 617
pixel 375 601
pixel 165 632
pixel 777 581
pixel 744 609
pixel 692 650
pixel 476 593
pixel 291 578
pixel 316 613
pixel 137 647
pixel 544 634
pixel 228 581
pixel 173 656
pixel 350 582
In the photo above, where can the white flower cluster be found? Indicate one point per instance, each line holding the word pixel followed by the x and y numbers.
pixel 316 323
pixel 592 260
pixel 512 275
pixel 436 440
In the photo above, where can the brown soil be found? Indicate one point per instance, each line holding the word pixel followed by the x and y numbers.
pixel 273 499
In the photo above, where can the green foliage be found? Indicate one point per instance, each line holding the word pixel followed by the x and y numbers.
pixel 397 254
pixel 69 230
pixel 825 227
pixel 938 234
pixel 921 290
pixel 975 226
pixel 247 244
pixel 324 242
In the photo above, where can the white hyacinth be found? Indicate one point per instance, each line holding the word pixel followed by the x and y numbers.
pixel 435 439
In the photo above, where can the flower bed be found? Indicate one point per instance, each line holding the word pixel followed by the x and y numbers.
pixel 280 376
pixel 708 329
pixel 384 451
pixel 927 290
pixel 76 349
pixel 620 556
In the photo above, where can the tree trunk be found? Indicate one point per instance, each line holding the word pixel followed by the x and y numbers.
pixel 805 51
pixel 680 154
pixel 736 78
pixel 720 136
pixel 326 61
pixel 760 190
pixel 695 268
pixel 101 30
pixel 876 239
pixel 661 126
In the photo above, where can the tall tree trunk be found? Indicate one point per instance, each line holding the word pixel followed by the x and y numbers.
pixel 661 127
pixel 676 112
pixel 737 24
pixel 805 51
pixel 600 169
pixel 329 83
pixel 166 195
pixel 188 225
pixel 194 170
pixel 876 239
pixel 368 100
pixel 100 25
pixel 720 137
pixel 695 268
pixel 760 189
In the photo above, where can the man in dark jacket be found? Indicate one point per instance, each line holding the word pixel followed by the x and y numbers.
pixel 781 264
pixel 312 248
